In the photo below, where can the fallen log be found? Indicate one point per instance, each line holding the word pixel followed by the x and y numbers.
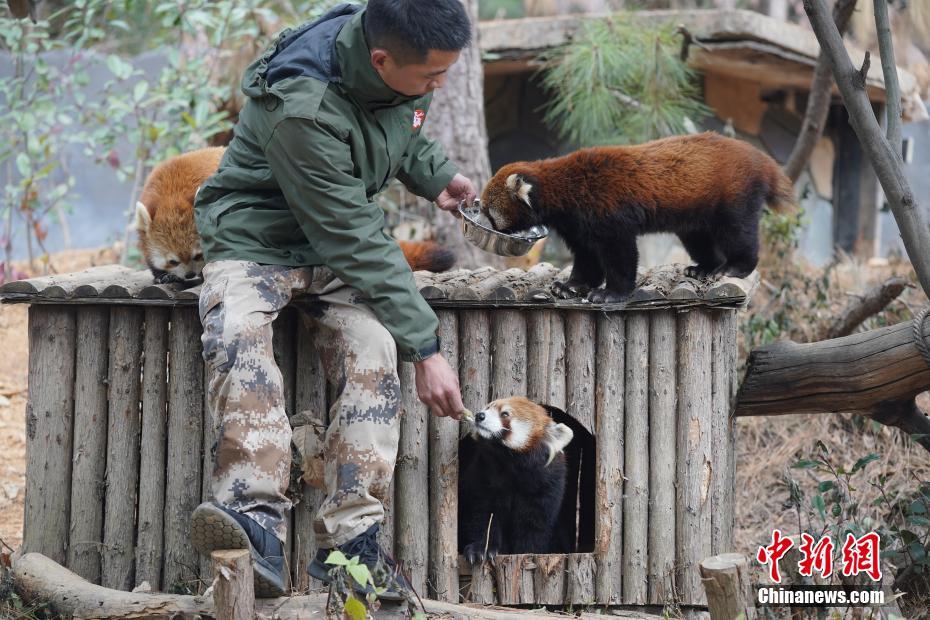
pixel 37 578
pixel 876 373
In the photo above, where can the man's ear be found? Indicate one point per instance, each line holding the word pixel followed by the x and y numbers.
pixel 379 58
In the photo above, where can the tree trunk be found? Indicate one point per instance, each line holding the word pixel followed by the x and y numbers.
pixel 885 158
pixel 457 121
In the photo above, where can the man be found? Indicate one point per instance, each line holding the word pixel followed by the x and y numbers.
pixel 336 109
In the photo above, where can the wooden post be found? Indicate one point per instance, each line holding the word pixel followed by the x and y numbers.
pixel 234 587
pixel 580 340
pixel 210 436
pixel 636 470
pixel 150 530
pixel 412 479
pixel 123 426
pixel 579 584
pixel 609 396
pixel 662 417
pixel 310 403
pixel 729 591
pixel 475 359
pixel 90 442
pixel 49 418
pixel 443 482
pixel 722 432
pixel 284 348
pixel 549 580
pixel 545 348
pixel 185 442
pixel 693 472
pixel 508 361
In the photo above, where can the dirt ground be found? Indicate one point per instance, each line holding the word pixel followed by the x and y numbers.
pixel 766 447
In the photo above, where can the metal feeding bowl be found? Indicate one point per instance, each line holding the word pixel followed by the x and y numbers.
pixel 478 231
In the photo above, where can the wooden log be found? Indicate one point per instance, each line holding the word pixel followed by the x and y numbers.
pixel 150 529
pixel 508 577
pixel 485 287
pixel 693 470
pixel 727 584
pixel 443 288
pixel 128 286
pixel 234 586
pixel 580 569
pixel 284 346
pixel 474 359
pixel 538 277
pixel 412 479
pixel 509 355
pixel 636 469
pixel 185 442
pixel 443 481
pixel 545 342
pixel 63 285
pixel 88 465
pixel 580 340
pixel 549 580
pixel 722 432
pixel 858 310
pixel 310 403
pixel 851 374
pixel 609 398
pixel 49 429
pixel 211 428
pixel 123 426
pixel 481 587
pixel 40 579
pixel 663 404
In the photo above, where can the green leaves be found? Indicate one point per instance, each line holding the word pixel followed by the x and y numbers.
pixel 355 608
pixel 620 82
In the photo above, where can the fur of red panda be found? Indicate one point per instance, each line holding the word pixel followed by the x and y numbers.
pixel 168 238
pixel 706 188
pixel 516 471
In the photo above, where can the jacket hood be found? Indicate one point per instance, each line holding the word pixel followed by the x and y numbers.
pixel 332 49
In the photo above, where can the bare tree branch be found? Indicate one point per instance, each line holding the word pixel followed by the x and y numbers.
pixel 818 102
pixel 890 70
pixel 873 302
pixel 885 159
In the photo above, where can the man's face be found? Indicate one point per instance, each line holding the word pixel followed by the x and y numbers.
pixel 416 78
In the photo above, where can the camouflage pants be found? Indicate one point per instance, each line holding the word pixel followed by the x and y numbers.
pixel 238 303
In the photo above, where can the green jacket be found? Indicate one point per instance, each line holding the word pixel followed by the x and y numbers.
pixel 319 136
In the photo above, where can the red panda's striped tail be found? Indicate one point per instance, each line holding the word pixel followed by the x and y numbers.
pixel 427 256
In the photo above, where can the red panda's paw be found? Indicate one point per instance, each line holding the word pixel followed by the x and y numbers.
pixel 697 272
pixel 569 289
pixel 606 296
pixel 167 278
pixel 475 553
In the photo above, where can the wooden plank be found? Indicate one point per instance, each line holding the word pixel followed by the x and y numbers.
pixel 49 427
pixel 443 482
pixel 62 285
pixel 663 406
pixel 609 422
pixel 123 427
pixel 693 470
pixel 580 340
pixel 474 359
pixel 150 530
pixel 549 579
pixel 310 403
pixel 185 442
pixel 580 569
pixel 411 520
pixel 88 464
pixel 636 468
pixel 508 351
pixel 722 483
pixel 129 285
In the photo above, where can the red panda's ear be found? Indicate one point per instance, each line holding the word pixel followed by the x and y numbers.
pixel 557 437
pixel 143 219
pixel 519 189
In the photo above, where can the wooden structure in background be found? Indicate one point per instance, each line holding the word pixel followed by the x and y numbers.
pixel 116 387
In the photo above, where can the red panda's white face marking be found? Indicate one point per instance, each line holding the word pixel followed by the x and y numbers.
pixel 183 262
pixel 506 201
pixel 521 425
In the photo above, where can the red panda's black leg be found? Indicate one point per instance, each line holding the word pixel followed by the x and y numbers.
pixel 621 259
pixel 703 250
pixel 742 252
pixel 587 273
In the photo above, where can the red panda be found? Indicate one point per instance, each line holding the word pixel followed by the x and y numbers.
pixel 168 238
pixel 515 472
pixel 706 188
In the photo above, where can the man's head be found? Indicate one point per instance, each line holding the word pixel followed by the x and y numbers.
pixel 414 42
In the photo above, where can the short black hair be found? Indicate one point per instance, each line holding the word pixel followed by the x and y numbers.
pixel 409 29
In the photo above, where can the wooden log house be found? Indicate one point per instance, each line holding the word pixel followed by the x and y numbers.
pixel 119 441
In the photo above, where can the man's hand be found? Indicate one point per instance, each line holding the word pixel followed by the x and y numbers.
pixel 438 387
pixel 459 189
